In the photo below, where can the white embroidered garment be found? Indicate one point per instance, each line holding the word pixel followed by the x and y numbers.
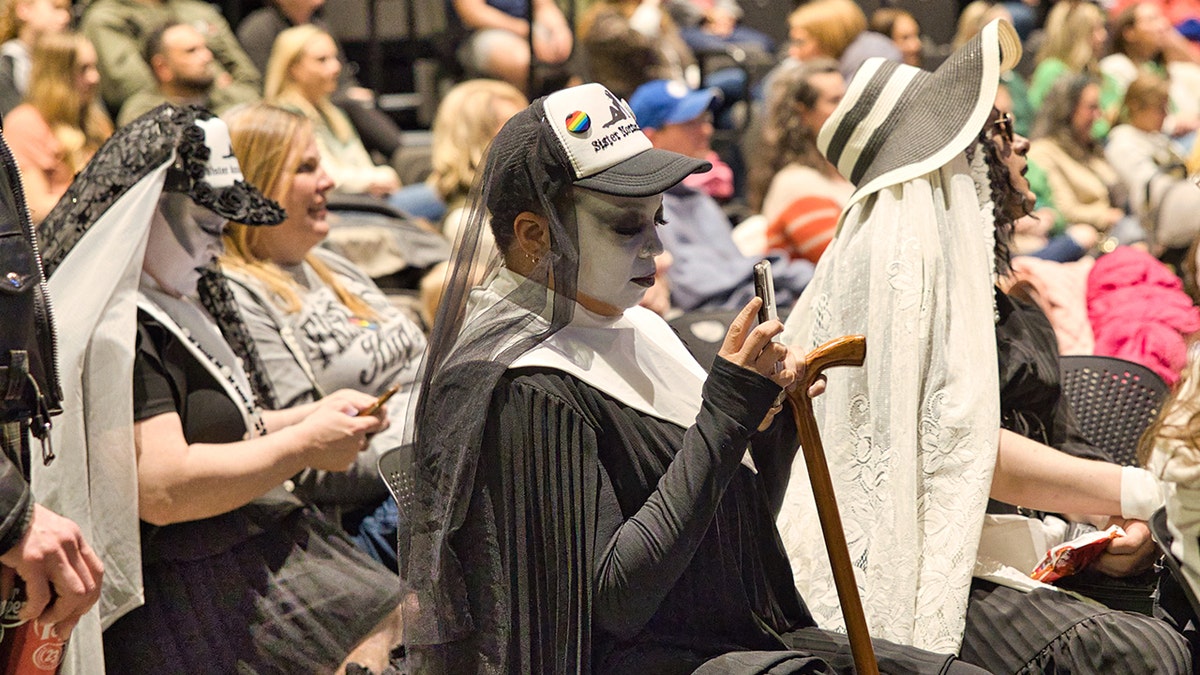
pixel 911 436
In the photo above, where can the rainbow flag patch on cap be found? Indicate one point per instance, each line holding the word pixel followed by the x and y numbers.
pixel 578 122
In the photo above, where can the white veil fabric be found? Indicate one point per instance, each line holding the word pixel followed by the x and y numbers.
pixel 95 293
pixel 94 242
pixel 911 437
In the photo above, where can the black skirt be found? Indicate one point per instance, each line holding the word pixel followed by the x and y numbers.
pixel 294 599
pixel 1050 632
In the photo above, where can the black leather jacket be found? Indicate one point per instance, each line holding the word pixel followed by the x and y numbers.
pixel 29 389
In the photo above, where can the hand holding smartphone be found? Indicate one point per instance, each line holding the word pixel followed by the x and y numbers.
pixel 383 398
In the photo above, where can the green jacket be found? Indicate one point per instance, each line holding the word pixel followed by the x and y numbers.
pixel 1049 71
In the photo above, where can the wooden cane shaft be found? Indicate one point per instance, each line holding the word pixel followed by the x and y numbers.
pixel 845 351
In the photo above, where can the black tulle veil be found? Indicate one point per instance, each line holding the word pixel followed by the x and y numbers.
pixel 482 325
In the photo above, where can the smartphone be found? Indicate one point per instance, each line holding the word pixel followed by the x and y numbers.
pixel 383 398
pixel 764 288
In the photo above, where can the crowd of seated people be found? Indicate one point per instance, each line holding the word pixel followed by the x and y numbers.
pixel 1093 157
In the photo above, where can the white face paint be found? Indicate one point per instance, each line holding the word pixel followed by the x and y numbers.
pixel 183 238
pixel 618 240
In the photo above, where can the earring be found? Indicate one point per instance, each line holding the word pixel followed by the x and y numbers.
pixel 533 259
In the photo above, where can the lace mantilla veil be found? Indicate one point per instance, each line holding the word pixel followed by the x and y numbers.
pixel 911 437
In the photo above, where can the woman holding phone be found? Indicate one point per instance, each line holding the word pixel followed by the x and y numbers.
pixel 231 571
pixel 583 493
pixel 318 322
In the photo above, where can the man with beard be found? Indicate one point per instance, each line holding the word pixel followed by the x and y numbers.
pixel 182 65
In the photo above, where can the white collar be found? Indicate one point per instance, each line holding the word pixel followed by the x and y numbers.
pixel 636 358
pixel 184 318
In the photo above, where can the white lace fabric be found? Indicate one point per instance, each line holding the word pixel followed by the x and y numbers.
pixel 911 437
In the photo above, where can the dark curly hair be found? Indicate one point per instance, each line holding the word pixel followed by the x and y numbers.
pixel 785 138
pixel 1002 191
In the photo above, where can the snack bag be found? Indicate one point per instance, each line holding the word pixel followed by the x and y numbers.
pixel 1071 556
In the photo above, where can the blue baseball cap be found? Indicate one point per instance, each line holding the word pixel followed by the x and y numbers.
pixel 662 102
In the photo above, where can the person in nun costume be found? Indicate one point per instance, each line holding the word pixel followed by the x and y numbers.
pixel 915 439
pixel 233 573
pixel 581 497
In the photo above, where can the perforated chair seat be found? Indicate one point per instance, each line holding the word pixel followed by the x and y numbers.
pixel 1114 400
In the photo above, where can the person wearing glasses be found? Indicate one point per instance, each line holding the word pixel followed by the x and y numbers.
pixel 958 401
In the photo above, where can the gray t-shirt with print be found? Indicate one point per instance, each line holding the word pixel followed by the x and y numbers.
pixel 324 347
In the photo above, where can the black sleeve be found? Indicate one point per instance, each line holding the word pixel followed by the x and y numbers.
pixel 773 451
pixel 558 522
pixel 645 556
pixel 16 504
pixel 153 393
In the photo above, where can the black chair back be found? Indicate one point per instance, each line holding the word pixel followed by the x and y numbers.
pixel 703 331
pixel 1114 400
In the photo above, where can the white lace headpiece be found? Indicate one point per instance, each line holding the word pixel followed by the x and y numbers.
pixel 911 436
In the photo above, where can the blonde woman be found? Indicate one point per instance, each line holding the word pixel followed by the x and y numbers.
pixel 1075 39
pixel 973 18
pixel 302 74
pixel 61 124
pixel 318 323
pixel 22 22
pixel 467 120
pixel 836 29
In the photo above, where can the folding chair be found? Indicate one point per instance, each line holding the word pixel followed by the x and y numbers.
pixel 1114 400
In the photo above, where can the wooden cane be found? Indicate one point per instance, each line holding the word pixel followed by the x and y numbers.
pixel 850 350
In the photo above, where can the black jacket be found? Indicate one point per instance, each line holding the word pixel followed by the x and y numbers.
pixel 29 390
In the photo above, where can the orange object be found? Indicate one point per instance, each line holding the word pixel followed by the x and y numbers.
pixel 1069 557
pixel 31 648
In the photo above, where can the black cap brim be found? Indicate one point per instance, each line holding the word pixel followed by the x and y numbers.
pixel 647 173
